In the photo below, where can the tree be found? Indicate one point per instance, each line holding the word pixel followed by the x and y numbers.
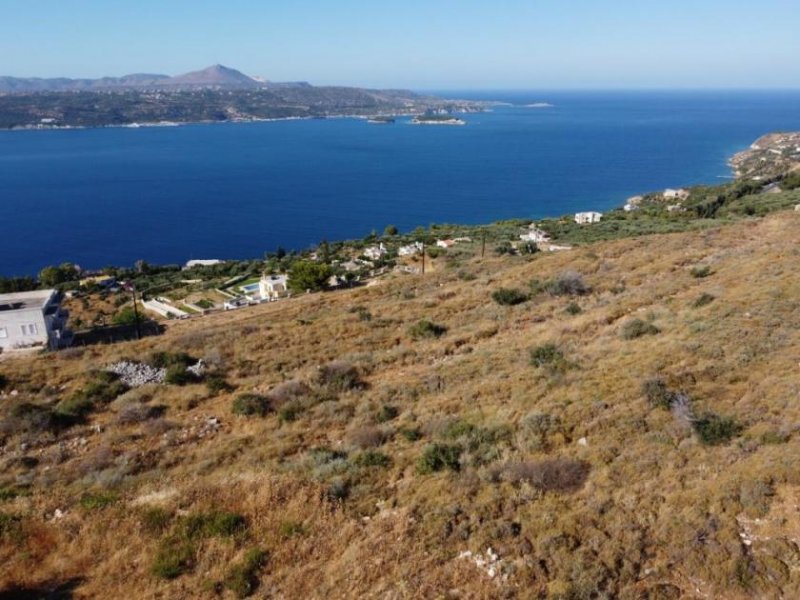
pixel 127 316
pixel 280 252
pixel 324 251
pixel 52 276
pixel 390 230
pixel 307 275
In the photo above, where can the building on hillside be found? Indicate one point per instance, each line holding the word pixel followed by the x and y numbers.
pixel 633 203
pixel 410 250
pixel 445 243
pixel 535 235
pixel 273 287
pixel 30 319
pixel 203 263
pixel 376 252
pixel 670 194
pixel 585 218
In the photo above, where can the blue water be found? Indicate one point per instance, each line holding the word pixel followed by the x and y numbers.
pixel 112 196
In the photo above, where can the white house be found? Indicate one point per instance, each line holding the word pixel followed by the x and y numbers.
pixel 410 250
pixel 273 287
pixel 162 306
pixel 633 203
pixel 375 252
pixel 670 194
pixel 535 235
pixel 203 263
pixel 29 319
pixel 583 218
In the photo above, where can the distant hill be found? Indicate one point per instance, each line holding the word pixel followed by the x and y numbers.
pixel 215 76
pixel 214 94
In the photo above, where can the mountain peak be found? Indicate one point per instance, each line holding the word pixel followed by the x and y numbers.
pixel 217 75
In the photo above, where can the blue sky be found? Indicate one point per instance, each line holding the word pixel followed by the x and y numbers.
pixel 431 44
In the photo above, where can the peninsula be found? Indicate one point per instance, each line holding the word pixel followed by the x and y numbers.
pixel 213 95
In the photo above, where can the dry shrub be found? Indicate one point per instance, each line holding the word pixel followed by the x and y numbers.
pixel 138 413
pixel 339 376
pixel 552 475
pixel 287 391
pixel 367 437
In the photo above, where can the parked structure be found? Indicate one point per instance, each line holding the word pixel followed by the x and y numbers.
pixel 584 218
pixel 273 287
pixel 202 263
pixel 535 235
pixel 30 319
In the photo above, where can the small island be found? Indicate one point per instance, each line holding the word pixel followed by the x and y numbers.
pixel 437 119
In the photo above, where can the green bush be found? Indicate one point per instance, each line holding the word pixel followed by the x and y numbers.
pixel 156 520
pixel 636 328
pixel 217 384
pixel 548 355
pixel 165 360
pixel 289 529
pixel 567 284
pixel 242 577
pixel 386 413
pixel 178 375
pixel 573 308
pixel 509 296
pixel 426 329
pixel 249 405
pixel 214 524
pixel 700 272
pixel 339 376
pixel 438 457
pixel 290 411
pixel 657 393
pixel 715 430
pixel 372 458
pixel 411 434
pixel 703 300
pixel 96 500
pixel 174 557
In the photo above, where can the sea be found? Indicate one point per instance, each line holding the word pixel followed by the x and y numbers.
pixel 112 196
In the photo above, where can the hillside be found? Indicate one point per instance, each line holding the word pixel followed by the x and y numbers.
pixel 214 94
pixel 624 426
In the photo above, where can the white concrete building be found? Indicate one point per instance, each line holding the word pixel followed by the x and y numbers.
pixel 162 306
pixel 410 250
pixel 584 218
pixel 535 235
pixel 633 203
pixel 29 319
pixel 273 287
pixel 376 252
pixel 203 263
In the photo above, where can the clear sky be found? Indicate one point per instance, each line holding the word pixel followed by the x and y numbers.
pixel 421 44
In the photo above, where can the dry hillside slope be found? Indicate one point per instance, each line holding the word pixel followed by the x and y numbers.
pixel 629 429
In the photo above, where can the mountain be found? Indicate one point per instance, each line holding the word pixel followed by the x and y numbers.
pixel 215 76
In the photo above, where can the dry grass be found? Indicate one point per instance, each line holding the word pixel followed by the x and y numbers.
pixel 582 484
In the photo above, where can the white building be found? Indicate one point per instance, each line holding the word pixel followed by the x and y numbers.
pixel 445 243
pixel 535 235
pixel 163 307
pixel 273 287
pixel 376 252
pixel 633 203
pixel 584 218
pixel 203 263
pixel 29 319
pixel 410 250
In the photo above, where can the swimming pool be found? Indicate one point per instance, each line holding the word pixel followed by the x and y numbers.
pixel 250 289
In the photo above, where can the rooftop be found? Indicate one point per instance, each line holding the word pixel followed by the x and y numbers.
pixel 25 300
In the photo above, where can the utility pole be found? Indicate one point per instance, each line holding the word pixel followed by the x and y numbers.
pixel 136 313
pixel 483 245
pixel 423 258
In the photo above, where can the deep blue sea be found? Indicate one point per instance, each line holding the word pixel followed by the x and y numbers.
pixel 166 195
